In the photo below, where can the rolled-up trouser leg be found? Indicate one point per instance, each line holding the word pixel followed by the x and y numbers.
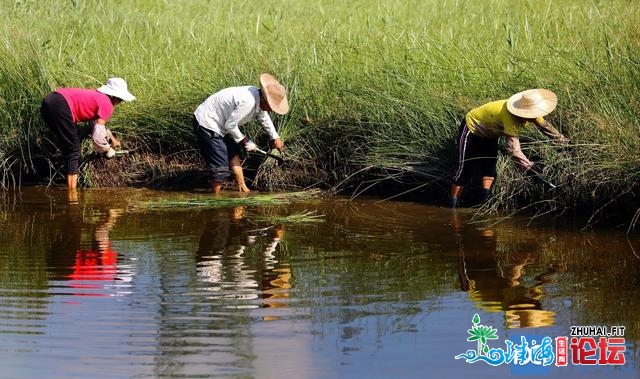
pixel 214 152
pixel 73 153
pixel 475 155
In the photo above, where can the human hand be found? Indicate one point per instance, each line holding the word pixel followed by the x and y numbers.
pixel 115 143
pixel 250 146
pixel 111 152
pixel 536 172
pixel 278 144
pixel 527 166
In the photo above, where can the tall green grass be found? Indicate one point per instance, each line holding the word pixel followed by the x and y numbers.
pixel 377 88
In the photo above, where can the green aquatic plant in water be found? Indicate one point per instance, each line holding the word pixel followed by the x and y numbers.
pixel 298 217
pixel 481 334
pixel 208 201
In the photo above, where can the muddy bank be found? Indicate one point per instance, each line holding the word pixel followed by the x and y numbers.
pixel 337 172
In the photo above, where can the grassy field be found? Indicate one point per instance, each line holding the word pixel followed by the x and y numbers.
pixel 377 88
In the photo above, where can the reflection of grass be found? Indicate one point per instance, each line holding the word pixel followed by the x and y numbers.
pixel 294 218
pixel 209 201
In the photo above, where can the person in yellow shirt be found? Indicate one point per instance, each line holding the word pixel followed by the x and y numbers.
pixel 482 128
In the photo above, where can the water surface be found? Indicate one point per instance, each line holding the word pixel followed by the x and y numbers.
pixel 104 289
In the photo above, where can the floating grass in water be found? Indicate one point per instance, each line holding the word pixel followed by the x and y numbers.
pixel 294 218
pixel 208 201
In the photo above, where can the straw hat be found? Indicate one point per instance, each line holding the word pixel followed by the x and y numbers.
pixel 275 93
pixel 532 103
pixel 117 87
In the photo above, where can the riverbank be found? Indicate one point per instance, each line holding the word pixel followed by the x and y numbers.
pixel 377 90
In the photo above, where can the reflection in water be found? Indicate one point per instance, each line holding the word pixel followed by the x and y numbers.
pixel 276 281
pixel 495 283
pixel 210 290
pixel 82 253
pixel 373 290
pixel 225 262
pixel 99 263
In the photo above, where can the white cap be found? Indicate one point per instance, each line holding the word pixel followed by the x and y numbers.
pixel 117 87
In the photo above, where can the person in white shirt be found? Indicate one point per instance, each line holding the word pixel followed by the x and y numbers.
pixel 217 124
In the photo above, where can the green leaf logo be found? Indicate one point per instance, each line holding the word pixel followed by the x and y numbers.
pixel 481 334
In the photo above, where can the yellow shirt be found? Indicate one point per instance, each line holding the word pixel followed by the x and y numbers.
pixel 493 120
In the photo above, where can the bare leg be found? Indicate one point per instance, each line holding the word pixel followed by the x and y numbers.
pixel 456 190
pixel 72 181
pixel 236 168
pixel 487 182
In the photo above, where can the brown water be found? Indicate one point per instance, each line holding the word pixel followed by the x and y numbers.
pixel 101 289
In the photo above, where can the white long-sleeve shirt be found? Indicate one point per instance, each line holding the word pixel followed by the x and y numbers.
pixel 226 110
pixel 100 138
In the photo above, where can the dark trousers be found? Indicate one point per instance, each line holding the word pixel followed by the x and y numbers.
pixel 216 151
pixel 57 115
pixel 476 155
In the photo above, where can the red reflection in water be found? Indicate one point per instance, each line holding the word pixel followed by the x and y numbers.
pixel 98 264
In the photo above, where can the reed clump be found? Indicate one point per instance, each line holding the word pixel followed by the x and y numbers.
pixel 377 88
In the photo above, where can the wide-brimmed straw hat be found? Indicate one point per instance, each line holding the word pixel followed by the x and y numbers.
pixel 275 93
pixel 532 103
pixel 117 87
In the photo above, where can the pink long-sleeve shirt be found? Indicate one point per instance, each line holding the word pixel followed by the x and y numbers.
pixel 89 105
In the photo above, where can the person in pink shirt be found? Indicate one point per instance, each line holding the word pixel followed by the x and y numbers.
pixel 63 108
